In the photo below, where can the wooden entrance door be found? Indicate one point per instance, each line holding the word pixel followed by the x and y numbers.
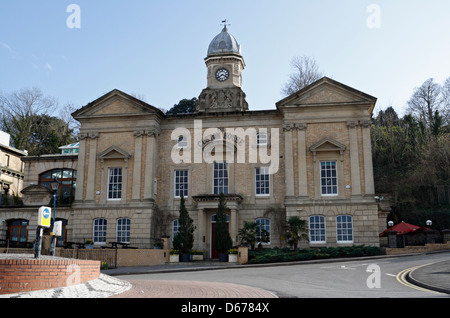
pixel 214 253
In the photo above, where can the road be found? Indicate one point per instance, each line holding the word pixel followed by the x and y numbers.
pixel 377 278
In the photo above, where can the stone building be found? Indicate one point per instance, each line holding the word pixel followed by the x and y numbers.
pixel 309 157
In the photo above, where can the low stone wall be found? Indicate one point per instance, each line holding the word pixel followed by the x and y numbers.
pixel 418 249
pixel 24 273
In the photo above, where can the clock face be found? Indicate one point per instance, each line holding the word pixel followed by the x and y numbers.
pixel 222 75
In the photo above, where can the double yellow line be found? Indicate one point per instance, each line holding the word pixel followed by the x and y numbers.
pixel 401 278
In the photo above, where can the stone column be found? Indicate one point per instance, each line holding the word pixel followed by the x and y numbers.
pixel 200 228
pixel 80 170
pixel 369 184
pixel 91 168
pixel 150 163
pixel 354 159
pixel 137 172
pixel 302 170
pixel 233 226
pixel 288 160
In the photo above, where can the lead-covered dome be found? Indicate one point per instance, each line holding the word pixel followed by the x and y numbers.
pixel 224 43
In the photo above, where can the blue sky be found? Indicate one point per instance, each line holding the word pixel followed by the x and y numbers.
pixel 156 48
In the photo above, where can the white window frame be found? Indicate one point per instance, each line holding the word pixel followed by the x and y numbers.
pixel 329 178
pixel 344 229
pixel 262 185
pixel 99 228
pixel 182 142
pixel 177 175
pixel 175 228
pixel 317 223
pixel 262 139
pixel 224 179
pixel 264 225
pixel 111 192
pixel 123 230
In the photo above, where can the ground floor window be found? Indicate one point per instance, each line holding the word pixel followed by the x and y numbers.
pixel 17 230
pixel 317 229
pixel 123 230
pixel 344 228
pixel 100 231
pixel 263 234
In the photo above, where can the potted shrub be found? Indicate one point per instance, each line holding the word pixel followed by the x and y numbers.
pixel 174 256
pixel 222 238
pixel 197 255
pixel 184 240
pixel 233 255
pixel 89 244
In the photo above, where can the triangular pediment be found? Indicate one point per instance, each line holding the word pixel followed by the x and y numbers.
pixel 114 152
pixel 326 92
pixel 328 144
pixel 116 103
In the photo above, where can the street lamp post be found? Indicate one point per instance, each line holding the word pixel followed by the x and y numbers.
pixel 55 188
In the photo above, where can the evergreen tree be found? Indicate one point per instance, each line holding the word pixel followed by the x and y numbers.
pixel 184 240
pixel 222 238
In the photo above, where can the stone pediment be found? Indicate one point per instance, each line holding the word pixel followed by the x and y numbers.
pixel 116 103
pixel 114 152
pixel 326 92
pixel 36 195
pixel 326 145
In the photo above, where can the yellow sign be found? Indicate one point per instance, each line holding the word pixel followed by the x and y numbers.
pixel 44 216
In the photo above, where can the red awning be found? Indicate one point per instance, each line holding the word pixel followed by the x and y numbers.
pixel 404 228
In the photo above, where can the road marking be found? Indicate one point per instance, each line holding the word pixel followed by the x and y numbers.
pixel 401 278
pixel 391 275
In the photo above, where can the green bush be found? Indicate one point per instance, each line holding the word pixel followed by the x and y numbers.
pixel 275 255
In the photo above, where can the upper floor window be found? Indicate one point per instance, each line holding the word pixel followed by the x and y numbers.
pixel 220 179
pixel 328 178
pixel 181 183
pixel 261 139
pixel 262 181
pixel 66 179
pixel 114 183
pixel 182 142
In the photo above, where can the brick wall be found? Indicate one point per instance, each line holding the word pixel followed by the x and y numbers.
pixel 24 275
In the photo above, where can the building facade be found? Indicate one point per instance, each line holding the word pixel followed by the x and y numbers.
pixel 309 157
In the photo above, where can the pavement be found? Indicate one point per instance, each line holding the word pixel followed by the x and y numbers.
pixel 433 276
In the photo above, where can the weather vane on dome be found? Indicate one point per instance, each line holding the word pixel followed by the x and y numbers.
pixel 225 23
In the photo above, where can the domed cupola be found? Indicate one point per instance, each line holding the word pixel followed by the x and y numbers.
pixel 224 43
pixel 225 65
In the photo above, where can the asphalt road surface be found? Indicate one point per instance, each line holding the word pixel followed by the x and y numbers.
pixel 378 278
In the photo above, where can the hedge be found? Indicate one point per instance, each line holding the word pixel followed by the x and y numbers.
pixel 274 255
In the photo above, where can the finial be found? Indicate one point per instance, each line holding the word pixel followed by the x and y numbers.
pixel 224 22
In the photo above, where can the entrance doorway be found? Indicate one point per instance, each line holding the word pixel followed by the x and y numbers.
pixel 214 253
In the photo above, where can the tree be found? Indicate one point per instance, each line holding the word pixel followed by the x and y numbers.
pixel 185 106
pixel 305 72
pixel 18 112
pixel 222 238
pixel 248 233
pixel 295 231
pixel 425 100
pixel 184 240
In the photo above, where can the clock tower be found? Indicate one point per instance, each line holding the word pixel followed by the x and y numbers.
pixel 224 64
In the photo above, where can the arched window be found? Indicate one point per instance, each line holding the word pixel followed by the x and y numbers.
pixel 317 229
pixel 67 183
pixel 17 232
pixel 263 234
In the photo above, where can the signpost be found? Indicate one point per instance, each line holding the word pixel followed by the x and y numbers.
pixel 44 217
